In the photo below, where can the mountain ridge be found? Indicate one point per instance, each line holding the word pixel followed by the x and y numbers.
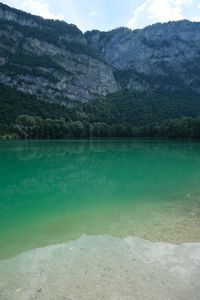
pixel 160 56
pixel 161 51
pixel 111 81
pixel 53 49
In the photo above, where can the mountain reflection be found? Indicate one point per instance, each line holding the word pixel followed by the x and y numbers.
pixel 33 150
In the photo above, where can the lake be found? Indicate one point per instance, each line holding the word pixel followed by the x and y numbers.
pixel 52 192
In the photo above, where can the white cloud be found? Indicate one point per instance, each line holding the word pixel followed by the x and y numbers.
pixel 133 22
pixel 152 11
pixel 93 13
pixel 36 7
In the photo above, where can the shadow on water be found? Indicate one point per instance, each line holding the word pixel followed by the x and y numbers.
pixel 53 191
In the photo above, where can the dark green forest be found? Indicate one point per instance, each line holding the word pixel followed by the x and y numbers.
pixel 122 114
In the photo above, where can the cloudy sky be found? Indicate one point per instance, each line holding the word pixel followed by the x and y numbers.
pixel 109 14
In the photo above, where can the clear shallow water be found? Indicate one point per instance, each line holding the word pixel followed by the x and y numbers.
pixel 55 191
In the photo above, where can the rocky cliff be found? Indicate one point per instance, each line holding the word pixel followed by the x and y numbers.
pixel 57 62
pixel 159 56
pixel 50 59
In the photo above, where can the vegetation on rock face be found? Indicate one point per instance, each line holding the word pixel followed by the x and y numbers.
pixel 51 58
pixel 123 114
pixel 149 105
pixel 161 56
pixel 59 27
pixel 141 108
pixel 14 103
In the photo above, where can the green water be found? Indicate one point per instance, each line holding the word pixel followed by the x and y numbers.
pixel 55 191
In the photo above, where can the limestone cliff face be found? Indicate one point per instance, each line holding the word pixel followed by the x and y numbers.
pixel 56 61
pixel 50 59
pixel 161 55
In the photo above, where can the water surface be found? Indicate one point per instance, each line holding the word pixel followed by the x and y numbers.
pixel 55 191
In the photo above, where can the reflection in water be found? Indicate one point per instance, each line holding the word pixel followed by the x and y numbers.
pixel 54 191
pixel 28 150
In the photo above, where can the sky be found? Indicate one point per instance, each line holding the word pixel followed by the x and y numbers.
pixel 109 14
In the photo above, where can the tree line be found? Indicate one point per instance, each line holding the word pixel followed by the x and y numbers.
pixel 30 127
pixel 122 114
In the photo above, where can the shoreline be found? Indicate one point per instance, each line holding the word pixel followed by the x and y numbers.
pixel 103 267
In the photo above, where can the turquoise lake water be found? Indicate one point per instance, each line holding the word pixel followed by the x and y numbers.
pixel 55 191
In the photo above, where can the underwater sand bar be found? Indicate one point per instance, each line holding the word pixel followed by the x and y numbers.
pixel 103 267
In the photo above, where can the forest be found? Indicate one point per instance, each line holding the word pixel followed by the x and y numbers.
pixel 122 114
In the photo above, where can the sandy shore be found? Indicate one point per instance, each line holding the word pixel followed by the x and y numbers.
pixel 103 267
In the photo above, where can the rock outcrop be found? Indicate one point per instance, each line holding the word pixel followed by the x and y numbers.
pixel 57 62
pixel 50 59
pixel 158 56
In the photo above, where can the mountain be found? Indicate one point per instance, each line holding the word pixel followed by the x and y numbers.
pixel 97 83
pixel 50 59
pixel 161 56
